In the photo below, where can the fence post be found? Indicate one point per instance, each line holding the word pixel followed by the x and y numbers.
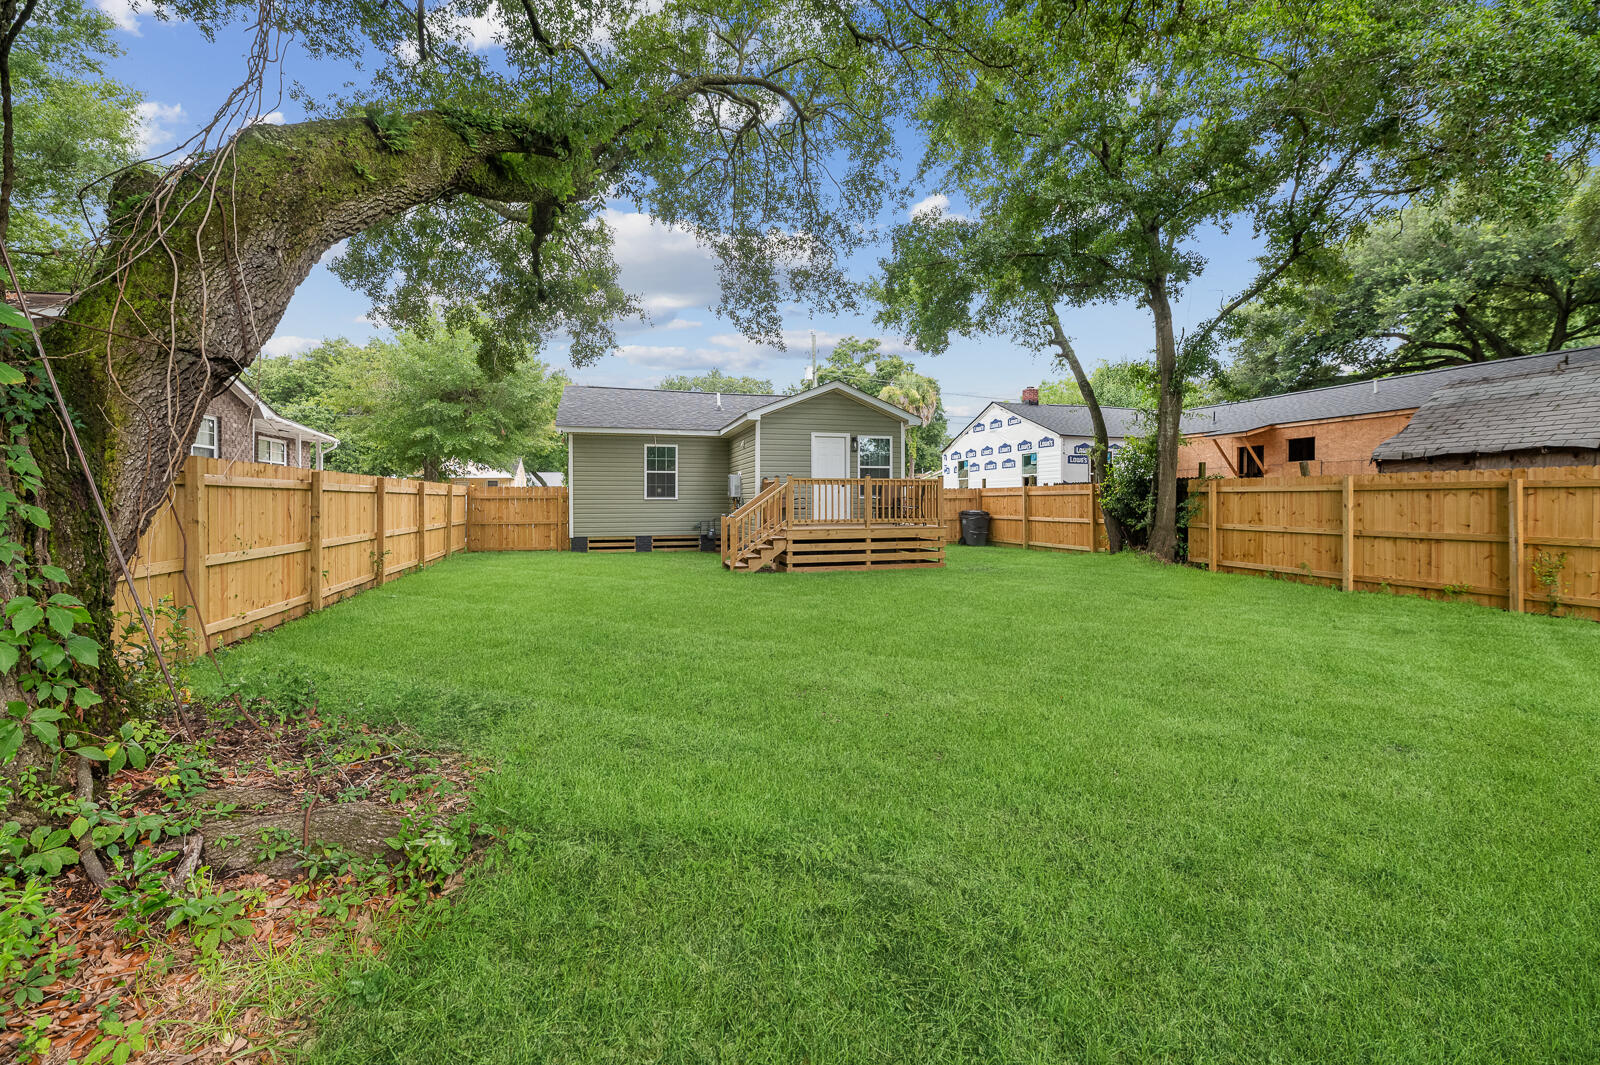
pixel 196 543
pixel 1026 543
pixel 1211 531
pixel 1348 565
pixel 1094 517
pixel 314 543
pixel 381 532
pixel 1514 503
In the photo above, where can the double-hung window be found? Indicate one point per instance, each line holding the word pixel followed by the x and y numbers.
pixel 273 451
pixel 874 460
pixel 661 471
pixel 206 440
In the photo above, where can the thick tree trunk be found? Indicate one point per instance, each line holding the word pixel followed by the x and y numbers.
pixel 1102 439
pixel 201 266
pixel 1169 416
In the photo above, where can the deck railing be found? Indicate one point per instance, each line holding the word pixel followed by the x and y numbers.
pixel 863 500
pixel 754 522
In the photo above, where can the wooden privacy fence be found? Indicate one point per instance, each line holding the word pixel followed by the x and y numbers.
pixel 249 546
pixel 1506 538
pixel 1057 516
pixel 517 519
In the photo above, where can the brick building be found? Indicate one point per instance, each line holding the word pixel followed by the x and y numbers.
pixel 1335 430
pixel 239 427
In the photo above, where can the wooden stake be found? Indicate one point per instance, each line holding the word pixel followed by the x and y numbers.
pixel 381 533
pixel 314 574
pixel 1348 566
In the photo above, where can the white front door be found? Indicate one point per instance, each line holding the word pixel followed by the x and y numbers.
pixel 830 457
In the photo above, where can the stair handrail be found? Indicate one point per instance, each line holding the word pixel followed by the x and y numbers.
pixel 758 520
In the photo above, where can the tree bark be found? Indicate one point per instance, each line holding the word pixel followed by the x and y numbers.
pixel 200 266
pixel 1102 439
pixel 1169 416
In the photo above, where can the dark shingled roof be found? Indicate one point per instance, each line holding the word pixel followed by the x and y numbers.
pixel 1072 419
pixel 600 407
pixel 1547 408
pixel 1385 394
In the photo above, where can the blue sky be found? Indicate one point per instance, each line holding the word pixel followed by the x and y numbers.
pixel 184 78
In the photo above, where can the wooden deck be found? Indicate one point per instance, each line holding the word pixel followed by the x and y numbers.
pixel 814 524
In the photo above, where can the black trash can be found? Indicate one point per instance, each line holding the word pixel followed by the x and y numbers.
pixel 975 527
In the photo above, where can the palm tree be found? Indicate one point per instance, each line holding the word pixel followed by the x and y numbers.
pixel 918 394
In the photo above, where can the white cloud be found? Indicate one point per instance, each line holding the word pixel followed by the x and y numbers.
pixel 933 207
pixel 682 323
pixel 271 118
pixel 121 12
pixel 288 345
pixel 482 32
pixel 156 121
pixel 665 265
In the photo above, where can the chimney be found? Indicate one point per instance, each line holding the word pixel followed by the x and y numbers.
pixel 719 400
pixel 1030 396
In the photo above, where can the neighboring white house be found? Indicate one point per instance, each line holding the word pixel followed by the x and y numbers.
pixel 1010 444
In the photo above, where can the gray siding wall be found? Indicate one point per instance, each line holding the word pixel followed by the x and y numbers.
pixel 786 434
pixel 606 482
pixel 742 460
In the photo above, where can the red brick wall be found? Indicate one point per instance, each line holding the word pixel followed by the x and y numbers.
pixel 1344 445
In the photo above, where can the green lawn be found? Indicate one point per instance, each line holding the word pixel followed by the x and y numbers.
pixel 1030 807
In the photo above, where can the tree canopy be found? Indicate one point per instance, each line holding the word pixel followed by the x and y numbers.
pixel 71 126
pixel 1423 289
pixel 420 403
pixel 1099 142
pixel 717 381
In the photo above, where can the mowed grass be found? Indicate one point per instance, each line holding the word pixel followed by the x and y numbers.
pixel 1027 808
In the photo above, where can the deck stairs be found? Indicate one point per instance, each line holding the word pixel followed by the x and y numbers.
pixel 832 524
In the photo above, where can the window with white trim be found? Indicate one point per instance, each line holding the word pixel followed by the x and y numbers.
pixel 661 471
pixel 274 451
pixel 874 457
pixel 208 439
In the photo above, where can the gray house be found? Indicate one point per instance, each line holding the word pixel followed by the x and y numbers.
pixel 645 464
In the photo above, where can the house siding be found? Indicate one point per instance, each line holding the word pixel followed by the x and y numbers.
pixel 1055 461
pixel 606 485
pixel 237 436
pixel 786 434
pixel 742 460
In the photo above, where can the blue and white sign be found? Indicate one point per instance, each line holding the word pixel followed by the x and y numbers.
pixel 1013 420
pixel 977 427
pixel 989 465
pixel 971 453
pixel 1082 449
pixel 1009 464
pixel 1078 460
pixel 988 451
pixel 994 423
pixel 1025 445
pixel 1047 441
pixel 1005 449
